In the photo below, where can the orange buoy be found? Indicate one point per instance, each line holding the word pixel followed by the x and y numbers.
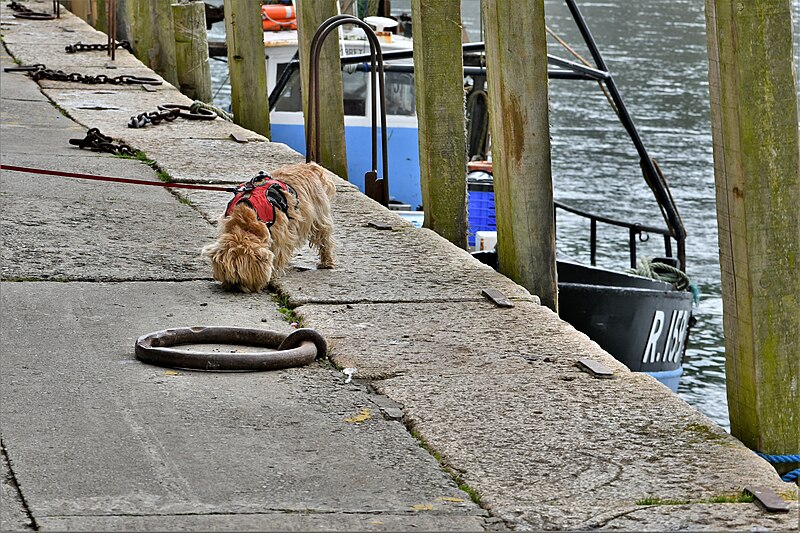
pixel 276 17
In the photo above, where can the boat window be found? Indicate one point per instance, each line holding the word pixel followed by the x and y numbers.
pixel 354 89
pixel 290 98
pixel 400 93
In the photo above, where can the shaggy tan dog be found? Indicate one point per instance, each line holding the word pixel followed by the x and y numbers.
pixel 269 218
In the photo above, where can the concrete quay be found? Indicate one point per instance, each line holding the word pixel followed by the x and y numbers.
pixel 462 416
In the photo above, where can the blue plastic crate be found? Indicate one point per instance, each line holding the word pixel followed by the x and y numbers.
pixel 480 208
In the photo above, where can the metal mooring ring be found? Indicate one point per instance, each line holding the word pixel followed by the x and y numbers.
pixel 34 16
pixel 298 348
pixel 185 111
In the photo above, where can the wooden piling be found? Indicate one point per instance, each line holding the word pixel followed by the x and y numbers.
pixel 191 50
pixel 310 15
pixel 247 65
pixel 757 171
pixel 439 85
pixel 100 15
pixel 123 20
pixel 152 36
pixel 516 57
pixel 80 8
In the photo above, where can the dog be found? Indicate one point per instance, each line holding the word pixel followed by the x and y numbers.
pixel 268 219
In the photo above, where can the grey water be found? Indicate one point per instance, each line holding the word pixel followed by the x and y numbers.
pixel 656 51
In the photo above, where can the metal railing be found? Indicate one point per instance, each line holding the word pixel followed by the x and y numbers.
pixel 635 232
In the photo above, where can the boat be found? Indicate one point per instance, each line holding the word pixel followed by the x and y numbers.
pixel 642 321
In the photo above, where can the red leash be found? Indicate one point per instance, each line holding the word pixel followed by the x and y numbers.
pixel 117 180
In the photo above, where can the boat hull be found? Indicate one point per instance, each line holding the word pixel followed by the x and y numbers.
pixel 643 324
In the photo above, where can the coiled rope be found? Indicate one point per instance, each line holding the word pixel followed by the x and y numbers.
pixel 648 268
pixel 779 459
pixel 198 104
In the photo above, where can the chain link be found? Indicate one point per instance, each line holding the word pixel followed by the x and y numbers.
pixel 41 72
pixel 80 47
pixel 98 142
pixel 154 117
pixel 170 112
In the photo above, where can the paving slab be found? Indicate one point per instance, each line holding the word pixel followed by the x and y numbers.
pixel 13 516
pixel 97 231
pixel 702 517
pixel 295 521
pixel 229 162
pixel 550 450
pixel 196 443
pixel 425 338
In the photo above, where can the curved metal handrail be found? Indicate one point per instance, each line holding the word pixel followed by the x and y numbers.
pixel 375 188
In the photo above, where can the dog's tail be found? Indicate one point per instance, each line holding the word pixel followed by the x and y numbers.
pixel 326 180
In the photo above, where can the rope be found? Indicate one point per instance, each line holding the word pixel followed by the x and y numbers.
pixel 117 180
pixel 199 104
pixel 649 268
pixel 779 459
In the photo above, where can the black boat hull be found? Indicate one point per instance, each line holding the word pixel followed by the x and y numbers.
pixel 644 324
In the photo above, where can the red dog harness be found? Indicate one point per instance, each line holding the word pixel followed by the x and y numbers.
pixel 262 194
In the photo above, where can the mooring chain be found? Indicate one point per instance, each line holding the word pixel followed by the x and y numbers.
pixel 98 142
pixel 27 13
pixel 170 112
pixel 41 72
pixel 153 117
pixel 80 47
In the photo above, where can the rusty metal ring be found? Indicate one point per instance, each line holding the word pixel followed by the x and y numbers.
pixel 185 111
pixel 299 348
pixel 35 16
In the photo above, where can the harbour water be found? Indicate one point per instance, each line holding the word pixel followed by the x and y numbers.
pixel 656 51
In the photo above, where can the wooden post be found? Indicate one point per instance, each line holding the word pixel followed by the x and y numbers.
pixel 516 57
pixel 100 15
pixel 123 20
pixel 310 15
pixel 247 65
pixel 152 36
pixel 439 84
pixel 754 129
pixel 191 50
pixel 80 8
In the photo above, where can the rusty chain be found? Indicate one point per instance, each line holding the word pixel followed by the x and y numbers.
pixel 153 117
pixel 41 72
pixel 169 112
pixel 80 47
pixel 98 142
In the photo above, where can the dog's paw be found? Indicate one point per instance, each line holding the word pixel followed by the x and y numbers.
pixel 326 265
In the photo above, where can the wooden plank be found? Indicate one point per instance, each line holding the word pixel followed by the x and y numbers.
pixel 247 65
pixel 333 148
pixel 439 85
pixel 757 172
pixel 191 50
pixel 518 107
